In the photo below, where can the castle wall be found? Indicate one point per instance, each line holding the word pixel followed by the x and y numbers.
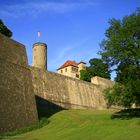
pixel 17 101
pixel 65 91
pixel 12 51
pixel 21 86
pixel 102 82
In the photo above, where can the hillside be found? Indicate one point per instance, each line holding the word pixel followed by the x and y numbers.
pixel 85 125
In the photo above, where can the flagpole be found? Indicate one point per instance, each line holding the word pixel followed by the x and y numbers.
pixel 38 34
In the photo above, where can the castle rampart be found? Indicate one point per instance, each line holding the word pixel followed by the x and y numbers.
pixel 20 84
pixel 65 91
pixel 17 101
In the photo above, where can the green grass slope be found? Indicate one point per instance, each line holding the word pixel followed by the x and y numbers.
pixel 85 125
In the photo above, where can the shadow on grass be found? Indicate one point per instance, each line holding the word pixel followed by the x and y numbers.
pixel 127 114
pixel 45 110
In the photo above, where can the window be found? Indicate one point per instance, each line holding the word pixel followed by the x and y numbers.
pixel 74 69
pixel 77 75
pixel 65 69
pixel 61 71
pixel 84 67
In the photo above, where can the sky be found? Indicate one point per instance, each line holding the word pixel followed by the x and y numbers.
pixel 72 29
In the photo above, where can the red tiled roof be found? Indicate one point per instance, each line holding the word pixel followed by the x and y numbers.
pixel 69 63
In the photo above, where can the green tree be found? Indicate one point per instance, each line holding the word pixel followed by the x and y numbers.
pixel 4 30
pixel 121 49
pixel 85 75
pixel 96 68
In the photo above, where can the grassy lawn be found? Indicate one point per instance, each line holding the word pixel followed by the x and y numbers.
pixel 85 125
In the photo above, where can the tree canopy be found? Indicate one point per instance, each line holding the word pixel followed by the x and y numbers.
pixel 123 40
pixel 121 49
pixel 4 30
pixel 97 68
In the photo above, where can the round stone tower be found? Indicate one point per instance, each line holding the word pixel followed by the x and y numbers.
pixel 40 55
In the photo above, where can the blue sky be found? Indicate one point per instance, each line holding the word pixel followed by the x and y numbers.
pixel 72 29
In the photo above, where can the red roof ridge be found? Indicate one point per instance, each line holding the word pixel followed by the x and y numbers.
pixel 69 63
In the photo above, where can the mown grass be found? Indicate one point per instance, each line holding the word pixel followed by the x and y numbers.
pixel 42 122
pixel 86 125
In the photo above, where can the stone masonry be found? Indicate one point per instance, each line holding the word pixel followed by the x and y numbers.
pixel 20 84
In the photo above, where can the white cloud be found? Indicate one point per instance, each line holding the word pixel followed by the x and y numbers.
pixel 66 53
pixel 36 8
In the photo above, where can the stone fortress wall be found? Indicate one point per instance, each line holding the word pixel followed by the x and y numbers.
pixel 20 84
pixel 65 91
pixel 17 101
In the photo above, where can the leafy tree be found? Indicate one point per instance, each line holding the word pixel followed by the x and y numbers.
pixel 121 49
pixel 96 68
pixel 4 30
pixel 119 95
pixel 85 75
pixel 99 68
pixel 123 41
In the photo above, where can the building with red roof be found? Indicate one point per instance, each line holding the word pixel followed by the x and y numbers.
pixel 71 68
